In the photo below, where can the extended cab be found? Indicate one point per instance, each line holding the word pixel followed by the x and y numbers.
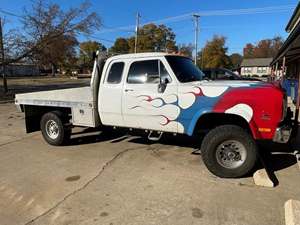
pixel 159 92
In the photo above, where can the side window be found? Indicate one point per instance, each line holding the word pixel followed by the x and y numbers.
pixel 115 73
pixel 143 72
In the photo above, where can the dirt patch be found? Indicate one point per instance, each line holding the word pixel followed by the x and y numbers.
pixel 197 213
pixel 72 178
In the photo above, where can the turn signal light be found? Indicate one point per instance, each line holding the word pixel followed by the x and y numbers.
pixel 264 130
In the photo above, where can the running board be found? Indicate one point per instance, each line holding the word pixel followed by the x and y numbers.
pixel 152 137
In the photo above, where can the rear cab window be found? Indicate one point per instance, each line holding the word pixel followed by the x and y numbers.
pixel 115 73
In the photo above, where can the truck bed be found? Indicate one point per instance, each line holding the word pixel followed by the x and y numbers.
pixel 79 100
pixel 72 97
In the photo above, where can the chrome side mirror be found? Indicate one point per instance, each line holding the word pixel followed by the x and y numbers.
pixel 162 85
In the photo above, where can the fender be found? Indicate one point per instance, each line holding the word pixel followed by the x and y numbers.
pixel 195 119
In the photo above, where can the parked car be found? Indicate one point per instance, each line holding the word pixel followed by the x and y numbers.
pixel 223 74
pixel 162 93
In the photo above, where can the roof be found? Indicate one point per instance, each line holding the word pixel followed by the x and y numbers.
pixel 256 62
pixel 140 55
pixel 295 19
pixel 291 47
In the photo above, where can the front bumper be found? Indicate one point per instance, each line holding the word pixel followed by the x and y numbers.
pixel 283 134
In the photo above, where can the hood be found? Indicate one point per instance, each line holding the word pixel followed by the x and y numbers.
pixel 230 83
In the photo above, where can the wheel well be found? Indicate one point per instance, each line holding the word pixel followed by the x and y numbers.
pixel 211 120
pixel 33 115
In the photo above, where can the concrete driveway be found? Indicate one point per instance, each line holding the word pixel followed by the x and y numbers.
pixel 111 178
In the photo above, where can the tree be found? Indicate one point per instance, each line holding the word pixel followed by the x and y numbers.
pixel 59 53
pixel 266 48
pixel 153 38
pixel 236 60
pixel 249 51
pixel 214 54
pixel 120 46
pixel 186 50
pixel 86 51
pixel 46 27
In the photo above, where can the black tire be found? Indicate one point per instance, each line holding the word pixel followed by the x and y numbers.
pixel 212 145
pixel 63 133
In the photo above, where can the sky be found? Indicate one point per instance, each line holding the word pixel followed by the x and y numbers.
pixel 238 29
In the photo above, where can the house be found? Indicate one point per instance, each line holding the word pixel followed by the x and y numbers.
pixel 21 70
pixel 256 67
pixel 288 58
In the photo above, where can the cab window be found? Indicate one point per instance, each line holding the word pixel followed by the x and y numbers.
pixel 115 73
pixel 148 71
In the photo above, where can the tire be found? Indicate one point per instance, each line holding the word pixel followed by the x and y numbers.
pixel 53 129
pixel 228 151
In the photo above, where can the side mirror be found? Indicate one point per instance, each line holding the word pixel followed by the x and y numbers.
pixel 162 85
pixel 164 81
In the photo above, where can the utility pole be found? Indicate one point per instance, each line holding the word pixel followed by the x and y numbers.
pixel 138 16
pixel 196 22
pixel 2 58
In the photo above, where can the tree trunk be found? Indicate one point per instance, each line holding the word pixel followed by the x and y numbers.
pixel 2 59
pixel 4 80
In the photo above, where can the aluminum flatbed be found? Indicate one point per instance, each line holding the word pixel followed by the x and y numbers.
pixel 78 100
pixel 61 98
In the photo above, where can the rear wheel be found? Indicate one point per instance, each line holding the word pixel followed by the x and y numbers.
pixel 53 129
pixel 229 151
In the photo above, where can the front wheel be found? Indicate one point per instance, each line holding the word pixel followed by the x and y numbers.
pixel 53 129
pixel 228 151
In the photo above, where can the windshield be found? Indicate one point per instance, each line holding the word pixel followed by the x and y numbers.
pixel 184 69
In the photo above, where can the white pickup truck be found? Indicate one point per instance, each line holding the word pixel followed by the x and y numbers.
pixel 159 92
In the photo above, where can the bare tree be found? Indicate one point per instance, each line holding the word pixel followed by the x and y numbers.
pixel 45 23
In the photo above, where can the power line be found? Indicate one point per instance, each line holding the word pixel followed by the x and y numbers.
pixel 231 12
pixel 100 39
pixel 10 13
pixel 245 11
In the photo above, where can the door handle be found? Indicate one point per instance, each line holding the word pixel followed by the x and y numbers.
pixel 127 90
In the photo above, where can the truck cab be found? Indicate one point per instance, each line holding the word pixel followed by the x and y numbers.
pixel 160 92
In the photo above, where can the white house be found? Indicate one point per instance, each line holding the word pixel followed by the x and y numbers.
pixel 256 67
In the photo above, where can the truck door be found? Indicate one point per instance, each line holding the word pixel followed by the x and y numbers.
pixel 110 100
pixel 150 97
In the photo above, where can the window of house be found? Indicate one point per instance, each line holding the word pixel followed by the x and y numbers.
pixel 249 69
pixel 115 73
pixel 264 70
pixel 141 72
pixel 259 69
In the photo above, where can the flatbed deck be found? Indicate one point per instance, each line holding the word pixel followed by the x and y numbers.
pixel 72 97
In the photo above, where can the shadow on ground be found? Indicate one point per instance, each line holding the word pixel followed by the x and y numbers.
pixel 273 156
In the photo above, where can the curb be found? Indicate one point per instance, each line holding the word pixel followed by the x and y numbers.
pixel 7 101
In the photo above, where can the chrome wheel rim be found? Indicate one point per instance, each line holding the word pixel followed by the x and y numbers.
pixel 52 129
pixel 231 154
